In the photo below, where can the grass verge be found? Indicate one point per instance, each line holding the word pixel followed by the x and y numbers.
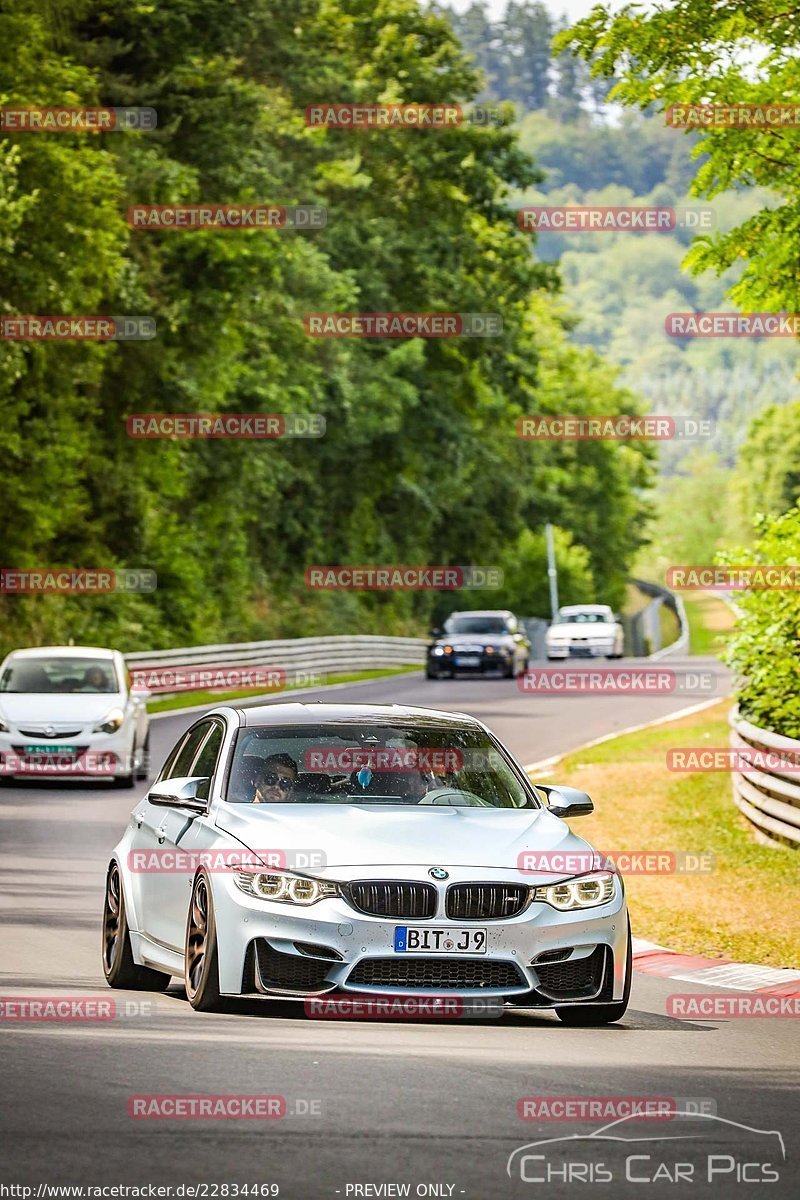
pixel 190 699
pixel 710 622
pixel 748 907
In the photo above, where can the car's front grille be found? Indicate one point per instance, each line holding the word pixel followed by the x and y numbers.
pixel 446 974
pixel 385 898
pixel 582 651
pixel 57 734
pixel 485 901
pixel 576 979
pixel 289 972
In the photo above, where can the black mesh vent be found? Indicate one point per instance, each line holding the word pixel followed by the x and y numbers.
pixel 447 974
pixel 572 980
pixel 289 972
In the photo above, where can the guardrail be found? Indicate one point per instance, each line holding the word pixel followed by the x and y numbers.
pixel 302 659
pixel 661 595
pixel 770 799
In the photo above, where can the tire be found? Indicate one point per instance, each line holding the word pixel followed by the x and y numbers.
pixel 201 969
pixel 431 674
pixel 124 781
pixel 118 966
pixel 601 1014
pixel 143 771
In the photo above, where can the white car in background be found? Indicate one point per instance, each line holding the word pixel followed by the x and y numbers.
pixel 68 712
pixel 585 631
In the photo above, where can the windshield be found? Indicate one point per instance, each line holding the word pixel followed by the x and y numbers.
pixel 424 764
pixel 71 674
pixel 584 618
pixel 475 625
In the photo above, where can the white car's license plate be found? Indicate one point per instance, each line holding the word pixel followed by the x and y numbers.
pixel 50 749
pixel 468 660
pixel 409 939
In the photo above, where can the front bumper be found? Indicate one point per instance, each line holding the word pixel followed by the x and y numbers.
pixel 100 756
pixel 470 662
pixel 281 951
pixel 580 650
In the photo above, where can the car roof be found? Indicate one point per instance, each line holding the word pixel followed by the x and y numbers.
pixel 64 651
pixel 585 608
pixel 317 712
pixel 483 612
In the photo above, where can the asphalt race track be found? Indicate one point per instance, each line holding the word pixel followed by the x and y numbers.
pixel 428 1104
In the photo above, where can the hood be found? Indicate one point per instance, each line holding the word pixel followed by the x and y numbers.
pixel 371 835
pixel 583 629
pixel 58 708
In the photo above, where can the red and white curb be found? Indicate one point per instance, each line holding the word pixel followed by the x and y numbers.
pixel 713 972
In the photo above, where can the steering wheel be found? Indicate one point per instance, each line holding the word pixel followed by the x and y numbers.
pixel 445 796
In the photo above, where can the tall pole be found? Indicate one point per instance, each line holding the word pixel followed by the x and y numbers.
pixel 552 573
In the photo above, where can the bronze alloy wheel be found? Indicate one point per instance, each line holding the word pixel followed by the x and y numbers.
pixel 201 971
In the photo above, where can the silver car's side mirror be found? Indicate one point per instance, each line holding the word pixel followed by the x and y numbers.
pixel 183 792
pixel 567 801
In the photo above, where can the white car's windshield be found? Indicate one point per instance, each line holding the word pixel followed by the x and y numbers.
pixel 585 618
pixel 475 625
pixel 42 675
pixel 420 764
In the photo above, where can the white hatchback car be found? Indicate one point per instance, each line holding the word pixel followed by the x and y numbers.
pixel 69 712
pixel 585 631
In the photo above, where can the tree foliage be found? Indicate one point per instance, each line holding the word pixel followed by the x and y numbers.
pixel 420 462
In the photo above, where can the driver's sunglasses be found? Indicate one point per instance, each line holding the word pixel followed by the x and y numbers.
pixel 279 781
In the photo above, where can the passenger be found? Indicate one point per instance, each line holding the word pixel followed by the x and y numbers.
pixel 275 779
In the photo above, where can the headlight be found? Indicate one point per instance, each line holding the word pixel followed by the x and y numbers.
pixel 577 893
pixel 110 722
pixel 290 889
pixel 3 727
pixel 490 650
pixel 438 650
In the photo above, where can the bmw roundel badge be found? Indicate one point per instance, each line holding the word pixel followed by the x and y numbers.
pixel 439 873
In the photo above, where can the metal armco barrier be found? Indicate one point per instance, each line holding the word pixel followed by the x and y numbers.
pixel 300 658
pixel 769 799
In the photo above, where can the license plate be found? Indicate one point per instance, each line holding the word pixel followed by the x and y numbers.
pixel 410 940
pixel 468 660
pixel 51 748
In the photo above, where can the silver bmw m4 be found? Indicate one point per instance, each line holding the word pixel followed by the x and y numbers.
pixel 294 851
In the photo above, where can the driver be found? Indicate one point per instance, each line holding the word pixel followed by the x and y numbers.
pixel 275 779
pixel 415 785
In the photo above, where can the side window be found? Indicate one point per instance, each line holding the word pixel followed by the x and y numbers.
pixel 206 760
pixel 180 762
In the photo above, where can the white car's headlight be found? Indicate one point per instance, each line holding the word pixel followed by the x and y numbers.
pixel 3 727
pixel 110 722
pixel 290 889
pixel 577 893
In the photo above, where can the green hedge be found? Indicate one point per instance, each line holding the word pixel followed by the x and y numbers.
pixel 764 651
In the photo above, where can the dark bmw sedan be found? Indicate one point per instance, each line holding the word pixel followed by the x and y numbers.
pixel 478 642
